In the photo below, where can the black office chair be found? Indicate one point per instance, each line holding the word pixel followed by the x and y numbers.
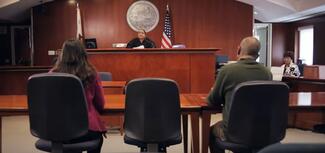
pixel 294 148
pixel 258 116
pixel 105 76
pixel 301 68
pixel 152 114
pixel 58 112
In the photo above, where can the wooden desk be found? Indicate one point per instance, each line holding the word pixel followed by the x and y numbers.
pixel 298 101
pixel 14 78
pixel 304 84
pixel 116 121
pixel 113 84
pixel 113 87
pixel 303 119
pixel 306 109
pixel 314 71
pixel 17 105
pixel 192 68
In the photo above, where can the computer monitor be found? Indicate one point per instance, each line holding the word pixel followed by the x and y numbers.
pixel 222 59
pixel 91 43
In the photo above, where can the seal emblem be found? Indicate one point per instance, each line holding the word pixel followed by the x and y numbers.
pixel 142 15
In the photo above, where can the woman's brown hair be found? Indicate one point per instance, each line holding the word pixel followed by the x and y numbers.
pixel 73 60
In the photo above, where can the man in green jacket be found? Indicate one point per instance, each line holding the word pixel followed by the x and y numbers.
pixel 246 69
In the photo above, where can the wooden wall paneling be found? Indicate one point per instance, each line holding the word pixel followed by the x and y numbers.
pixel 15 82
pixel 54 23
pixel 202 73
pixel 278 44
pixel 197 24
pixel 283 38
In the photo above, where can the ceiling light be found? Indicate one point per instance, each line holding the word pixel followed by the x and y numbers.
pixel 5 3
pixel 72 1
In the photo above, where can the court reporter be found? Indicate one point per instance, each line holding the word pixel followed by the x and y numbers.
pixel 290 69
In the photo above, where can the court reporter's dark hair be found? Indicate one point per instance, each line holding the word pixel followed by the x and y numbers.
pixel 288 54
pixel 73 60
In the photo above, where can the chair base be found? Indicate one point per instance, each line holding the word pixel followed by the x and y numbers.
pixel 153 148
pixel 45 145
pixel 150 146
pixel 234 147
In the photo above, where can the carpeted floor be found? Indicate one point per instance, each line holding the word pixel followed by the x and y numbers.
pixel 16 138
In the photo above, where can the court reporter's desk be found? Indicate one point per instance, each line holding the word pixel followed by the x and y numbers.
pixel 302 119
pixel 192 68
pixel 17 105
pixel 298 101
pixel 304 84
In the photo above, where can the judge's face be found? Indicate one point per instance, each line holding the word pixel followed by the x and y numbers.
pixel 141 35
pixel 287 60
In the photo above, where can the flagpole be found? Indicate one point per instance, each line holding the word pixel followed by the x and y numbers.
pixel 167 31
pixel 79 34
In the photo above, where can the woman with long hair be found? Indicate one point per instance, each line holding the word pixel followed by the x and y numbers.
pixel 73 60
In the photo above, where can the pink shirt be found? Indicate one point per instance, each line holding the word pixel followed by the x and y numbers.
pixel 95 102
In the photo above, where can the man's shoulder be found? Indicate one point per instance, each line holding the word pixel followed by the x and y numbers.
pixel 230 66
pixel 240 68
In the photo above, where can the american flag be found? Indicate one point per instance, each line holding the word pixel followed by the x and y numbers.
pixel 167 33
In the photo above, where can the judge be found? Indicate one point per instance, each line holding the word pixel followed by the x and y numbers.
pixel 141 41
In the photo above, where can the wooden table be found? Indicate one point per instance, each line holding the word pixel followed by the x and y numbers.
pixel 306 101
pixel 304 84
pixel 113 84
pixel 17 105
pixel 187 66
pixel 113 87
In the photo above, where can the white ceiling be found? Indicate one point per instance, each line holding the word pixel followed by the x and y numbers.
pixel 265 10
pixel 285 10
pixel 17 10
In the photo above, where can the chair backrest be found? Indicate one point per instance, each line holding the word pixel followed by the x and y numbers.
pixel 152 110
pixel 301 69
pixel 105 76
pixel 57 106
pixel 258 113
pixel 295 148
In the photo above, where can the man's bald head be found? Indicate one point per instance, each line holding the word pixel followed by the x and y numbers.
pixel 250 46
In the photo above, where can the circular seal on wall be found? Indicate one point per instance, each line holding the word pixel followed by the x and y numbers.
pixel 142 15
